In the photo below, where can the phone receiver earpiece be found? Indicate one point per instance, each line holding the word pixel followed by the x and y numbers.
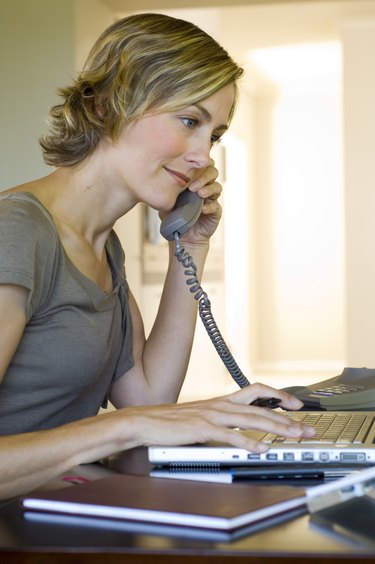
pixel 185 213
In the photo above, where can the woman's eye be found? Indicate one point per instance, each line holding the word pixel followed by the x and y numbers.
pixel 190 122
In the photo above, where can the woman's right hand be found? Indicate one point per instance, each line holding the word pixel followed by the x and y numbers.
pixel 35 458
pixel 216 420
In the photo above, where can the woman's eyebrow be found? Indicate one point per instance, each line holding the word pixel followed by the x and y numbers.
pixel 208 117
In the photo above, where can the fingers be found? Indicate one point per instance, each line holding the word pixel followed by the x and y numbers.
pixel 212 208
pixel 250 393
pixel 248 416
pixel 205 184
pixel 224 412
pixel 257 418
pixel 212 420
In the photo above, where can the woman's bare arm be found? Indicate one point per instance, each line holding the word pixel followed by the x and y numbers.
pixel 30 459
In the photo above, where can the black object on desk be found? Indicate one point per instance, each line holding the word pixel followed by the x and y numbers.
pixel 352 521
pixel 346 507
pixel 296 475
pixel 293 472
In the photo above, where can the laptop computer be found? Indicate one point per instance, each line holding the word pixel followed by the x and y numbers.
pixel 341 438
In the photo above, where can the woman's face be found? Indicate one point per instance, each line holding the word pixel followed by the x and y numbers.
pixel 160 154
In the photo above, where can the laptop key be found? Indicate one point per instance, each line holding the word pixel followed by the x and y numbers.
pixel 362 434
pixel 315 441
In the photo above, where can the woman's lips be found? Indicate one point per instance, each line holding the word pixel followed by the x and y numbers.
pixel 182 180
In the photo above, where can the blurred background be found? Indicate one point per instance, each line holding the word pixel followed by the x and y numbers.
pixel 291 273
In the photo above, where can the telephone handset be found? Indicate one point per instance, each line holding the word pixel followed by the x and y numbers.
pixel 185 213
pixel 352 390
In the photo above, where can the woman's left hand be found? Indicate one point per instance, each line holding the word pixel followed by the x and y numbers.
pixel 207 187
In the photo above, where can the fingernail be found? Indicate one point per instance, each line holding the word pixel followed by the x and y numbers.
pixel 295 430
pixel 261 447
pixel 195 185
pixel 308 430
pixel 296 402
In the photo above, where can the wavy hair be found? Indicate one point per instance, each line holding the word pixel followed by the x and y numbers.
pixel 142 63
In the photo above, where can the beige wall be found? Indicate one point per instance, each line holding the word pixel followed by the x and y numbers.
pixel 359 145
pixel 91 18
pixel 36 56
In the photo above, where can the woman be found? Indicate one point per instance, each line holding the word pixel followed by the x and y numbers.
pixel 136 126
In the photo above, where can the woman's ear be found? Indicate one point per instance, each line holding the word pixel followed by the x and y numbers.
pixel 99 110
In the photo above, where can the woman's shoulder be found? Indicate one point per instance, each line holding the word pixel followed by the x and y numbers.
pixel 25 209
pixel 27 224
pixel 17 200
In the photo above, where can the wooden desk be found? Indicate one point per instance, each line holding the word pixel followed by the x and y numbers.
pixel 28 542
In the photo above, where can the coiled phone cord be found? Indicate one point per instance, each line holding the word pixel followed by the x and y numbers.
pixel 204 306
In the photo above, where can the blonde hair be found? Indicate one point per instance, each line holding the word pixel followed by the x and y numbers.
pixel 142 63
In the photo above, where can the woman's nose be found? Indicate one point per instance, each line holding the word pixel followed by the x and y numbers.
pixel 199 154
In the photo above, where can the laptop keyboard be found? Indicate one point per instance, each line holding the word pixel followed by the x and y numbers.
pixel 330 428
